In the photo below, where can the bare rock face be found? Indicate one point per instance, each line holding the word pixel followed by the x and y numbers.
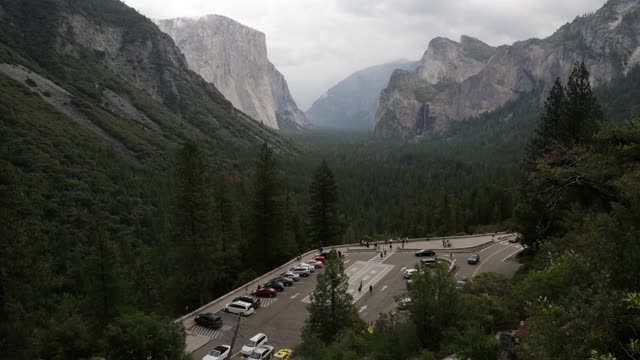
pixel 406 106
pixel 459 81
pixel 234 58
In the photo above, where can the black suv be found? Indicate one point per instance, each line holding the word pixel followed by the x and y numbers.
pixel 286 282
pixel 209 320
pixel 276 285
pixel 425 253
pixel 254 301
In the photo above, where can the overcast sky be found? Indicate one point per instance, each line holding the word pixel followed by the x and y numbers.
pixel 316 43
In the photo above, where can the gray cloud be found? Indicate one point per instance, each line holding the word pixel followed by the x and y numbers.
pixel 316 43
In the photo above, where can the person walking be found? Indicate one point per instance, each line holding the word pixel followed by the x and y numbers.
pixel 370 288
pixel 360 287
pixel 390 247
pixel 451 256
pixel 381 256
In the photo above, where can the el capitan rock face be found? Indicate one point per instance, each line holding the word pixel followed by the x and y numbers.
pixel 234 58
pixel 458 81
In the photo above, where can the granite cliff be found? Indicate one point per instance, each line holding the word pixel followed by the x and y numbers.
pixel 234 58
pixel 459 81
pixel 352 103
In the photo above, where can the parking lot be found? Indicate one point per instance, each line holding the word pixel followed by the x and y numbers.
pixel 282 318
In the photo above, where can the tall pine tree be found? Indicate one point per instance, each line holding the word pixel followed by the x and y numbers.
pixel 267 212
pixel 324 220
pixel 332 312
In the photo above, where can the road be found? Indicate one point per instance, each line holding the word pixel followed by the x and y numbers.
pixel 282 318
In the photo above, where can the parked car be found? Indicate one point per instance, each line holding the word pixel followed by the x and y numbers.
pixel 425 253
pixel 275 285
pixel 326 253
pixel 264 352
pixel 311 268
pixel 284 354
pixel 256 341
pixel 403 303
pixel 239 308
pixel 430 262
pixel 254 301
pixel 320 258
pixel 283 280
pixel 209 320
pixel 409 272
pixel 514 239
pixel 301 271
pixel 291 275
pixel 265 292
pixel 317 264
pixel 220 352
pixel 473 259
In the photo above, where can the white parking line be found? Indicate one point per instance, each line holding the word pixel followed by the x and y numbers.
pixel 295 296
pixel 362 309
pixel 346 261
pixel 384 287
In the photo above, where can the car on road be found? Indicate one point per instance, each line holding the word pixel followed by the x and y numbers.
pixel 275 285
pixel 317 264
pixel 284 354
pixel 430 262
pixel 264 352
pixel 473 259
pixel 209 320
pixel 265 292
pixel 256 341
pixel 254 301
pixel 239 308
pixel 301 271
pixel 311 268
pixel 283 280
pixel 409 272
pixel 320 258
pixel 220 352
pixel 425 253
pixel 291 275
pixel 514 239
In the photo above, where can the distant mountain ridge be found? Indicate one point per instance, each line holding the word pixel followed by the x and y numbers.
pixel 234 58
pixel 352 103
pixel 459 81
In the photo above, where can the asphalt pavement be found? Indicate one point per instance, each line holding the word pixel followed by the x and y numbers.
pixel 283 317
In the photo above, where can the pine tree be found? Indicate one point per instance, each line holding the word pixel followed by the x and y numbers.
pixel 332 312
pixel 548 131
pixel 267 212
pixel 324 220
pixel 193 229
pixel 582 108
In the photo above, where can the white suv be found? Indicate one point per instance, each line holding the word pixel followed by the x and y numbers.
pixel 311 268
pixel 263 352
pixel 409 272
pixel 256 341
pixel 301 270
pixel 240 308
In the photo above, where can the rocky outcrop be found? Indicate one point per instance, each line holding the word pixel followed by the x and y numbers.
pixel 406 106
pixel 451 87
pixel 352 103
pixel 234 58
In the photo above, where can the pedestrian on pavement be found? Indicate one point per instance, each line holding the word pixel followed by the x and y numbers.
pixel 390 247
pixel 385 252
pixel 451 256
pixel 375 246
pixel 370 288
pixel 381 256
pixel 339 254
pixel 360 287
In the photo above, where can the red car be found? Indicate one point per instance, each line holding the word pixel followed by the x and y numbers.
pixel 322 259
pixel 265 292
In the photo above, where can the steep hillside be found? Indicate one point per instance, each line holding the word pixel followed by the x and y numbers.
pixel 234 58
pixel 608 41
pixel 352 103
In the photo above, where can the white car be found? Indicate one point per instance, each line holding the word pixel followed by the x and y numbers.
pixel 256 341
pixel 310 267
pixel 409 272
pixel 262 353
pixel 220 352
pixel 240 308
pixel 301 270
pixel 291 275
pixel 317 264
